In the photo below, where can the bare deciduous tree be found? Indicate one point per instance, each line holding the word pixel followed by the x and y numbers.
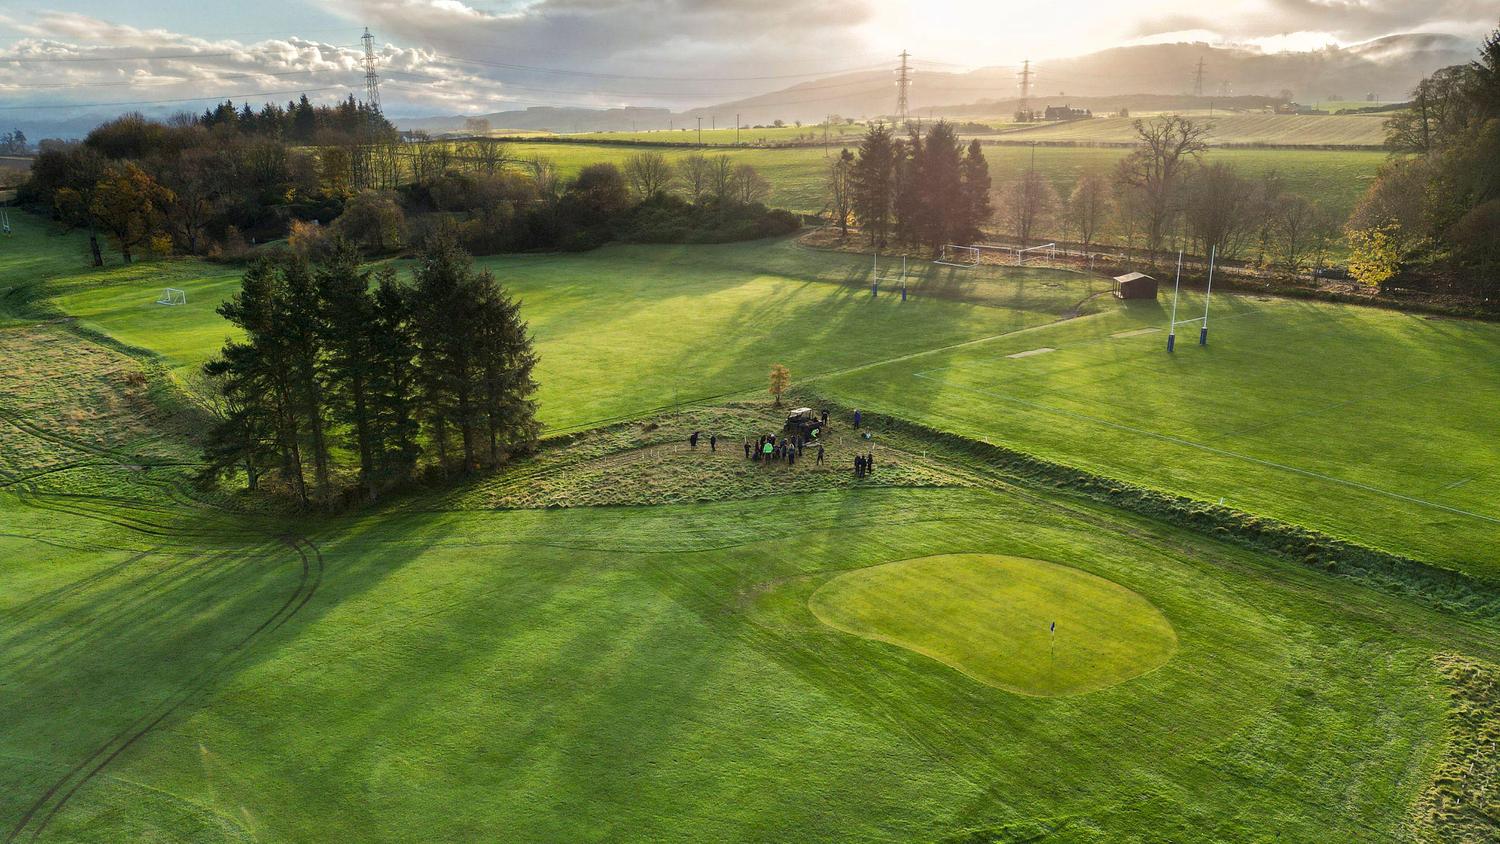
pixel 1222 209
pixel 1026 206
pixel 695 174
pixel 748 185
pixel 1167 147
pixel 1301 232
pixel 1089 207
pixel 650 173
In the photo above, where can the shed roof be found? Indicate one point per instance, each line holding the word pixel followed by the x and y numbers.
pixel 1132 277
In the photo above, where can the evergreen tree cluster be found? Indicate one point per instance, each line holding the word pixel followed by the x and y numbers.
pixel 300 122
pixel 339 360
pixel 922 190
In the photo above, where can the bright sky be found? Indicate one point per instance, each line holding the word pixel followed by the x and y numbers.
pixel 448 56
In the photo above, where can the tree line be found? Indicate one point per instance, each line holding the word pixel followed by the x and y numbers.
pixel 203 184
pixel 921 192
pixel 300 122
pixel 432 375
pixel 214 184
pixel 499 203
pixel 14 143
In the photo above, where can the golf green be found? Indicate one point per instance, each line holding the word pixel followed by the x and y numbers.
pixel 990 617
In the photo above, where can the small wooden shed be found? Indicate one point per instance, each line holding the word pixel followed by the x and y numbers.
pixel 1135 286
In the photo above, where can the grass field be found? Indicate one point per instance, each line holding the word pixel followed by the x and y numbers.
pixel 839 134
pixel 625 638
pixel 1283 414
pixel 798 176
pixel 1366 130
pixel 992 617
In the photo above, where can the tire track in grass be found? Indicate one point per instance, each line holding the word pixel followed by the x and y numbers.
pixel 57 796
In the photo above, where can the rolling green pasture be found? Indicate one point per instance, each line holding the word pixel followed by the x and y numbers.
pixel 1367 424
pixel 1278 129
pixel 838 134
pixel 656 673
pixel 798 176
pixel 700 655
pixel 1364 423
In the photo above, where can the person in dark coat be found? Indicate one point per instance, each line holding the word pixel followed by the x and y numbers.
pixel 801 444
pixel 791 457
pixel 713 442
pixel 825 417
pixel 820 454
pixel 693 439
pixel 870 463
pixel 857 417
pixel 747 448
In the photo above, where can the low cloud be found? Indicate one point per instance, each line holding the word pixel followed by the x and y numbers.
pixel 1344 21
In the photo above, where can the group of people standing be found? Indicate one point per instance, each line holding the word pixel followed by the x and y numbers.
pixel 791 448
pixel 778 449
pixel 864 465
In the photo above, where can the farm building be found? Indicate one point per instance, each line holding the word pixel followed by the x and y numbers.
pixel 1067 112
pixel 1135 286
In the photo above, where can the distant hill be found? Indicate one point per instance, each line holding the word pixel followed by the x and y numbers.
pixel 1387 67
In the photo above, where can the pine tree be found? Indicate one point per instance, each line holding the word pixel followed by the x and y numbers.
pixel 299 325
pixel 259 374
pixel 872 182
pixel 906 203
pixel 944 212
pixel 393 384
pixel 506 363
pixel 444 316
pixel 347 313
pixel 975 176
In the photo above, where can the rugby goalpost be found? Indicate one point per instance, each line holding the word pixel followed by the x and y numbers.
pixel 172 296
pixel 1202 322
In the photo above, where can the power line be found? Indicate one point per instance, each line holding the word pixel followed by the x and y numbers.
pixel 502 99
pixel 176 100
pixel 632 93
pixel 1198 79
pixel 593 75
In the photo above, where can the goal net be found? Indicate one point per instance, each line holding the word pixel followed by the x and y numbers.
pixel 954 255
pixel 172 296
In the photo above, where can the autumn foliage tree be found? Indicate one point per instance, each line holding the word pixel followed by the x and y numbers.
pixel 781 380
pixel 128 204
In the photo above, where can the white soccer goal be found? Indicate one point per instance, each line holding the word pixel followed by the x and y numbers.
pixel 963 257
pixel 172 296
pixel 1049 249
